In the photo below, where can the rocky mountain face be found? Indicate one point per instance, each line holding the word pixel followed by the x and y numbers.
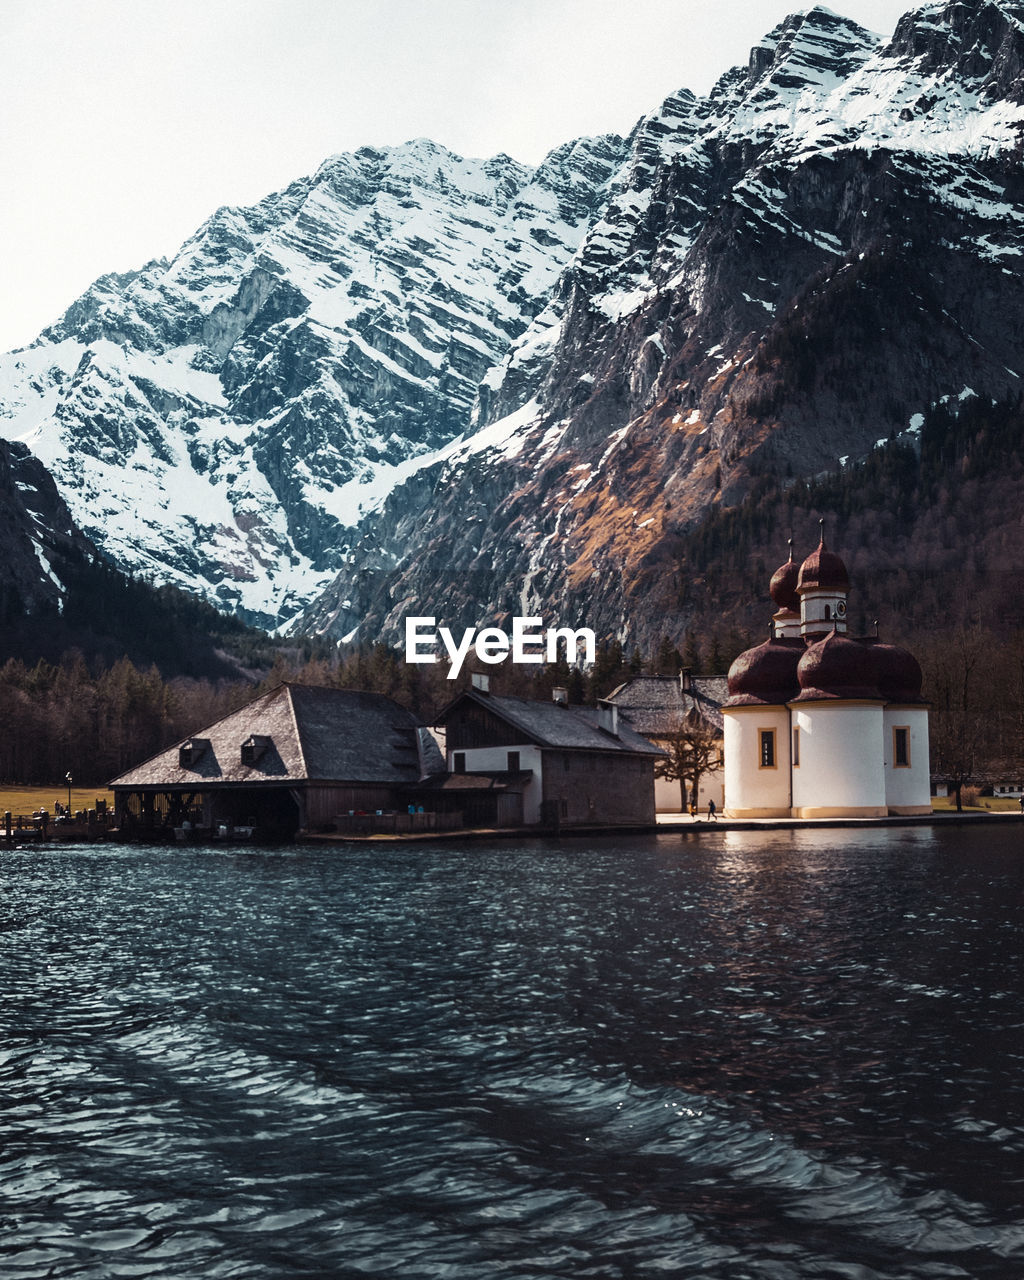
pixel 784 273
pixel 60 598
pixel 220 421
pixel 417 384
pixel 38 538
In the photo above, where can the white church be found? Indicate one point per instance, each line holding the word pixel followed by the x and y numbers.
pixel 818 723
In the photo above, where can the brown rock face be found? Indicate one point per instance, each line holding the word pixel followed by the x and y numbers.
pixel 786 273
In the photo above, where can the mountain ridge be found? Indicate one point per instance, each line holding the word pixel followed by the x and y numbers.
pixel 411 383
pixel 216 420
pixel 820 260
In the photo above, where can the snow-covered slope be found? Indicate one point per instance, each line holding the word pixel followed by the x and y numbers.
pixel 220 420
pixel 784 273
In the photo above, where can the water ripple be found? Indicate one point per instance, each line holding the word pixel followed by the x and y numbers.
pixel 789 1057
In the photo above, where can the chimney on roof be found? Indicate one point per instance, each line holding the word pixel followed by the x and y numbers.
pixel 481 681
pixel 608 717
pixel 560 696
pixel 686 680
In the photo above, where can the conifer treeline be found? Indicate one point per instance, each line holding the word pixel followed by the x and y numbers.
pixel 96 721
pixel 69 718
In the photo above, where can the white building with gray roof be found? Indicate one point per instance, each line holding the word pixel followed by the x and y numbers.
pixel 663 707
pixel 560 765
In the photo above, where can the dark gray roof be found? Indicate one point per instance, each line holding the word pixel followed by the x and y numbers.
pixel 316 734
pixel 550 725
pixel 657 705
pixel 431 755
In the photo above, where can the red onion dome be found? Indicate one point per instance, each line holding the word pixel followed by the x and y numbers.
pixel 823 570
pixel 782 588
pixel 838 667
pixel 897 673
pixel 766 674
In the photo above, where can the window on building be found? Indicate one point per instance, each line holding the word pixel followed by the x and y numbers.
pixel 458 762
pixel 513 762
pixel 901 746
pixel 796 746
pixel 766 748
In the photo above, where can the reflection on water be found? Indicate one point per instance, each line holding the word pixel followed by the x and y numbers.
pixel 826 840
pixel 725 1055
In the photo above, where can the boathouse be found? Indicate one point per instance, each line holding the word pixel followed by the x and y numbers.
pixel 529 762
pixel 297 758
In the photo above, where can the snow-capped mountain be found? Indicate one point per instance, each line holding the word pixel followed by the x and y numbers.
pixel 422 384
pixel 784 273
pixel 220 421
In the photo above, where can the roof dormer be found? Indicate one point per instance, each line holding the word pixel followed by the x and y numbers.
pixel 255 747
pixel 192 751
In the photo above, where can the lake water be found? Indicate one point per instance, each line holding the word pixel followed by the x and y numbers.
pixel 729 1056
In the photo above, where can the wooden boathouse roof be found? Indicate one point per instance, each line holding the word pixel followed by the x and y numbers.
pixel 295 733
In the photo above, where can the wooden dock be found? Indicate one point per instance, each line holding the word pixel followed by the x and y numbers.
pixel 42 828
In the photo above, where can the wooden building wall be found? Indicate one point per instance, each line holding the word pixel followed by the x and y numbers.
pixel 593 786
pixel 470 726
pixel 324 801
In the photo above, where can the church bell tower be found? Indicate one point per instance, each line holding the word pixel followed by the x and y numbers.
pixel 823 585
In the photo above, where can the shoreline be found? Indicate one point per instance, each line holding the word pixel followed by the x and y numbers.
pixel 665 824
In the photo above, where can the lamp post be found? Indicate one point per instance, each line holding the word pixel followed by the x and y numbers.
pixel 67 779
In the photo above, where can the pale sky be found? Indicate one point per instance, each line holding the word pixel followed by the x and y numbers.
pixel 125 123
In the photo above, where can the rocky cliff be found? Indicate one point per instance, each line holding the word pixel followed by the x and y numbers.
pixel 413 383
pixel 219 421
pixel 38 539
pixel 785 273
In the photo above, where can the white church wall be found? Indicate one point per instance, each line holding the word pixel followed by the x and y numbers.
pixel 756 787
pixel 907 785
pixel 841 771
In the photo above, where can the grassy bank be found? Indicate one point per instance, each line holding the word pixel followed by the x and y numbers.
pixel 989 804
pixel 26 800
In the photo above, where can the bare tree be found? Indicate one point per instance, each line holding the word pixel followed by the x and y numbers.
pixel 693 750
